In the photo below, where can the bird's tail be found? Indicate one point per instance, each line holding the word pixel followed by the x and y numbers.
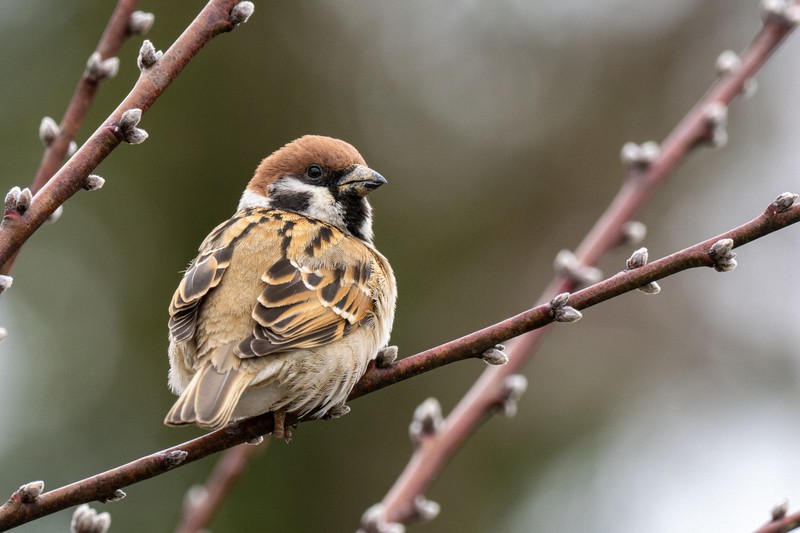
pixel 209 399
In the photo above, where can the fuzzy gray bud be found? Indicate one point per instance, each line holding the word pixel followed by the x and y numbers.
pixel 5 283
pixel 140 22
pixel 780 510
pixel 148 56
pixel 716 116
pixel 514 387
pixel 637 259
pixel 174 458
pixel 126 128
pixel 29 492
pixel 93 182
pixel 495 356
pixel 100 69
pixel 634 232
pixel 241 12
pixel 48 131
pixel 784 201
pixel 386 356
pixel 115 496
pixel 374 521
pixel 427 420
pixel 567 264
pixel 87 520
pixel 722 254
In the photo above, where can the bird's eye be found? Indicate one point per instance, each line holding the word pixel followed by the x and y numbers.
pixel 314 171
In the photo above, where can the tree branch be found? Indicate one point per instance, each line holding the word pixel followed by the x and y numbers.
pixel 105 486
pixel 215 18
pixel 56 149
pixel 702 124
pixel 203 502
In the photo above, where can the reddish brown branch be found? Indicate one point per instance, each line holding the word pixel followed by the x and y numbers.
pixel 782 525
pixel 102 486
pixel 111 41
pixel 429 459
pixel 210 22
pixel 197 515
pixel 114 35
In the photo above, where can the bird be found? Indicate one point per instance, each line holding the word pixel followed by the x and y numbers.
pixel 287 301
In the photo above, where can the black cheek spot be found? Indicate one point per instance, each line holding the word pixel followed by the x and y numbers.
pixel 296 202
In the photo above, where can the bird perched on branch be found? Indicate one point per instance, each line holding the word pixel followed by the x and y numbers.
pixel 288 300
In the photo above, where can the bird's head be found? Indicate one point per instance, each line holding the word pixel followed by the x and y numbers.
pixel 319 177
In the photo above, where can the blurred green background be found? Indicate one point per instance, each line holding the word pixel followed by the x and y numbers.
pixel 498 125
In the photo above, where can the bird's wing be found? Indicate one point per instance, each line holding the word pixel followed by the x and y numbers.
pixel 316 291
pixel 205 273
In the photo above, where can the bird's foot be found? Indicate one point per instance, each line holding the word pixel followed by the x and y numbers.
pixel 283 428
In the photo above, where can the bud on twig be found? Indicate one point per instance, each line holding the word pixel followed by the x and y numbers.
pixel 634 232
pixel 148 55
pixel 634 155
pixel 716 116
pixel 48 131
pixel 638 259
pixel 780 510
pixel 18 200
pixel 29 492
pixel 374 521
pixel 93 182
pixel 567 264
pixel 101 69
pixel 426 422
pixel 784 201
pixel 386 356
pixel 425 510
pixel 87 520
pixel 728 62
pixel 140 22
pixel 241 12
pixel 495 356
pixel 561 311
pixel 115 496
pixel 174 458
pixel 513 388
pixel 5 283
pixel 3 334
pixel 785 11
pixel 127 130
pixel 723 256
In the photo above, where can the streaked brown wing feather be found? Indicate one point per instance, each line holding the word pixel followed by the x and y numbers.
pixel 315 293
pixel 205 273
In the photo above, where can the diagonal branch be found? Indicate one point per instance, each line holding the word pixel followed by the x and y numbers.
pixel 106 485
pixel 117 30
pixel 701 125
pixel 215 18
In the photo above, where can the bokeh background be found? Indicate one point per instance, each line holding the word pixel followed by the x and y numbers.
pixel 498 125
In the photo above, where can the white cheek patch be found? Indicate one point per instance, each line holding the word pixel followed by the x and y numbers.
pixel 253 199
pixel 321 204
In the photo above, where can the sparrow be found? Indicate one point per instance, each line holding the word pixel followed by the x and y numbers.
pixel 287 301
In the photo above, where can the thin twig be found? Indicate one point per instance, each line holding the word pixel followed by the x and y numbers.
pixel 210 22
pixel 782 525
pixel 102 486
pixel 198 514
pixel 429 460
pixel 111 41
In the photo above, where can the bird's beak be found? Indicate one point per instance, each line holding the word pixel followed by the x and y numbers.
pixel 361 180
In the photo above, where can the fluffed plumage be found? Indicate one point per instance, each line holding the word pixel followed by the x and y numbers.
pixel 287 301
